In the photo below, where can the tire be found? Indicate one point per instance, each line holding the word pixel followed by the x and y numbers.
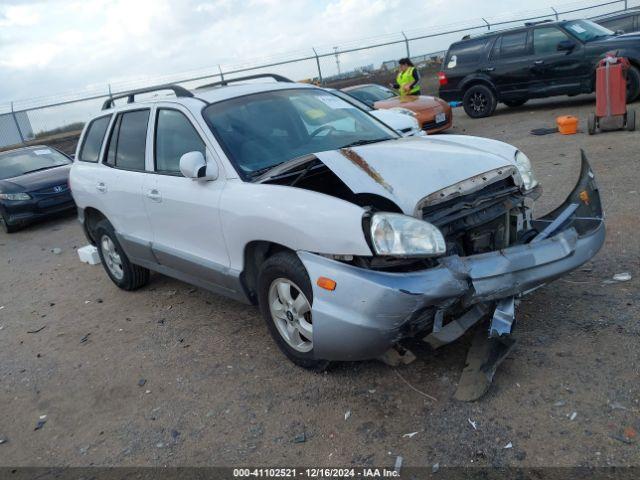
pixel 6 227
pixel 631 120
pixel 515 103
pixel 591 123
pixel 281 282
pixel 127 276
pixel 633 84
pixel 479 101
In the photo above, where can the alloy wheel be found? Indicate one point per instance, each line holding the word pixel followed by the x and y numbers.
pixel 478 102
pixel 291 313
pixel 111 257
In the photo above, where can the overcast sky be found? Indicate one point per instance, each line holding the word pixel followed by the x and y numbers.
pixel 61 46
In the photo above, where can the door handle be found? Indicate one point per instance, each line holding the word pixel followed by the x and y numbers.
pixel 154 195
pixel 488 69
pixel 538 62
pixel 101 187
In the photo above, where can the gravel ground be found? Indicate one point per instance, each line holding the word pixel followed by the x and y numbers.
pixel 174 375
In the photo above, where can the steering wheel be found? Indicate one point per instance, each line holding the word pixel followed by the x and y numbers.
pixel 322 129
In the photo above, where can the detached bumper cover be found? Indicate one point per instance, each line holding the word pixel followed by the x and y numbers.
pixel 369 310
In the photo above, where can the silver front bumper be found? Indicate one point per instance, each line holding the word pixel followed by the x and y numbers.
pixel 369 311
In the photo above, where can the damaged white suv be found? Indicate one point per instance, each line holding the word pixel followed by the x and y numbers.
pixel 348 237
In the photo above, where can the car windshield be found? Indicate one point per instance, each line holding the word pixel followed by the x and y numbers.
pixel 371 94
pixel 266 129
pixel 586 30
pixel 20 162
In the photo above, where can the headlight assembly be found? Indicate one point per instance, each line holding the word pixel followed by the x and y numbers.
pixel 526 171
pixel 403 236
pixel 15 196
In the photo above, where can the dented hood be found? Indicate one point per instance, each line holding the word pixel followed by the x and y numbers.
pixel 408 169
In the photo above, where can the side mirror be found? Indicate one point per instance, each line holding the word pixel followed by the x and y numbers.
pixel 193 165
pixel 620 32
pixel 566 46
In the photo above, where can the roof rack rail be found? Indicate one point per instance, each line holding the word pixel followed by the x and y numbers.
pixel 222 83
pixel 179 91
pixel 530 24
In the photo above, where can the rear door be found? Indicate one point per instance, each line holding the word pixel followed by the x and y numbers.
pixel 123 177
pixel 187 233
pixel 556 72
pixel 509 65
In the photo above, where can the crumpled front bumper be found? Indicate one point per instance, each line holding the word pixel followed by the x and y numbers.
pixel 369 311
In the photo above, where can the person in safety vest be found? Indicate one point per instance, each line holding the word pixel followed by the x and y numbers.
pixel 408 79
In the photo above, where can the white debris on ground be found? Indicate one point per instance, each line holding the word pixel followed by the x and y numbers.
pixel 622 277
pixel 89 254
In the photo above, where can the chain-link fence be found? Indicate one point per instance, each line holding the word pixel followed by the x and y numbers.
pixel 369 60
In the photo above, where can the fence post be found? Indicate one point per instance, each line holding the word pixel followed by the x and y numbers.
pixel 488 24
pixel 13 114
pixel 318 64
pixel 221 74
pixel 555 13
pixel 406 44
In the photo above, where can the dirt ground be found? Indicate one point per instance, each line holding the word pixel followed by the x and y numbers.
pixel 174 375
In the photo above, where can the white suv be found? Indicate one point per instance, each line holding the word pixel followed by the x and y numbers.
pixel 348 237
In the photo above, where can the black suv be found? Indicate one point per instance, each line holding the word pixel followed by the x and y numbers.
pixel 541 59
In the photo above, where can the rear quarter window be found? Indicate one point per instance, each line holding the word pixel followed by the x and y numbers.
pixel 92 143
pixel 469 52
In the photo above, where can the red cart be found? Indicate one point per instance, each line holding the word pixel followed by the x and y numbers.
pixel 611 97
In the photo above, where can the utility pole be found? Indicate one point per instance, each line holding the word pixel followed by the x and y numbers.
pixel 335 49
pixel 318 64
pixel 15 120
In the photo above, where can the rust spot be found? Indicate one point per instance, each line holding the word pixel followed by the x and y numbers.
pixel 368 169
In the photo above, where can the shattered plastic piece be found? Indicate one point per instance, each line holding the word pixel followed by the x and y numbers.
pixel 503 318
pixel 300 438
pixel 398 464
pixel 347 414
pixel 409 435
pixel 617 406
pixel 85 338
pixel 573 415
pixel 508 445
pixel 141 382
pixel 622 277
pixel 42 417
pixel 472 423
pixel 435 468
pixel 3 440
pixel 560 403
pixel 56 251
pixel 39 425
pixel 159 444
pixel 175 434
pixel 630 432
pixel 484 357
pixel 37 330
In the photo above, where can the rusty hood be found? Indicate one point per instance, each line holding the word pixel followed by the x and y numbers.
pixel 408 169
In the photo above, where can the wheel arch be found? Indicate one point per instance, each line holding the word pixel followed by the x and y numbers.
pixel 92 216
pixel 478 80
pixel 255 254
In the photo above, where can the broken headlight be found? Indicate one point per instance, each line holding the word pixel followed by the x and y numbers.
pixel 526 171
pixel 403 236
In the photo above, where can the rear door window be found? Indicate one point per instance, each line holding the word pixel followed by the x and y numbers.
pixel 513 45
pixel 128 141
pixel 546 40
pixel 92 143
pixel 174 136
pixel 466 53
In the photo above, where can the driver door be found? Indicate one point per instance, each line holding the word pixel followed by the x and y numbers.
pixel 187 234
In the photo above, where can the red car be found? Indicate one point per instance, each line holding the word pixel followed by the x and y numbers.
pixel 433 114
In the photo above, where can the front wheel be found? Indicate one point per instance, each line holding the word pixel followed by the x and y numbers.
pixel 285 297
pixel 479 101
pixel 121 271
pixel 631 120
pixel 8 228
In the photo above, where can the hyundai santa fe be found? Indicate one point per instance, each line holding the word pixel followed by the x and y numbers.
pixel 348 237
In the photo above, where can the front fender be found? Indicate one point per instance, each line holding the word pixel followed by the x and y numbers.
pixel 296 218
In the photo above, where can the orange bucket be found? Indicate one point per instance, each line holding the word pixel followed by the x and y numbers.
pixel 567 124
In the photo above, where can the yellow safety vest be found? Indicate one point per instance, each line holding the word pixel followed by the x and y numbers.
pixel 405 78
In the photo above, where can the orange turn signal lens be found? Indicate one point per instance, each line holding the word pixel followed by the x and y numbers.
pixel 584 196
pixel 326 283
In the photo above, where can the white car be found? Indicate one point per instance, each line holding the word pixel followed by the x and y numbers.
pixel 348 237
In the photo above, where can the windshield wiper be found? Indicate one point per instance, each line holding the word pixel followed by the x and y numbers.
pixel 357 143
pixel 257 173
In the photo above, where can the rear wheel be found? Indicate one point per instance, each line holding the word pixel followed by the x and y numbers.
pixel 515 103
pixel 633 84
pixel 121 271
pixel 479 101
pixel 285 298
pixel 631 120
pixel 591 123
